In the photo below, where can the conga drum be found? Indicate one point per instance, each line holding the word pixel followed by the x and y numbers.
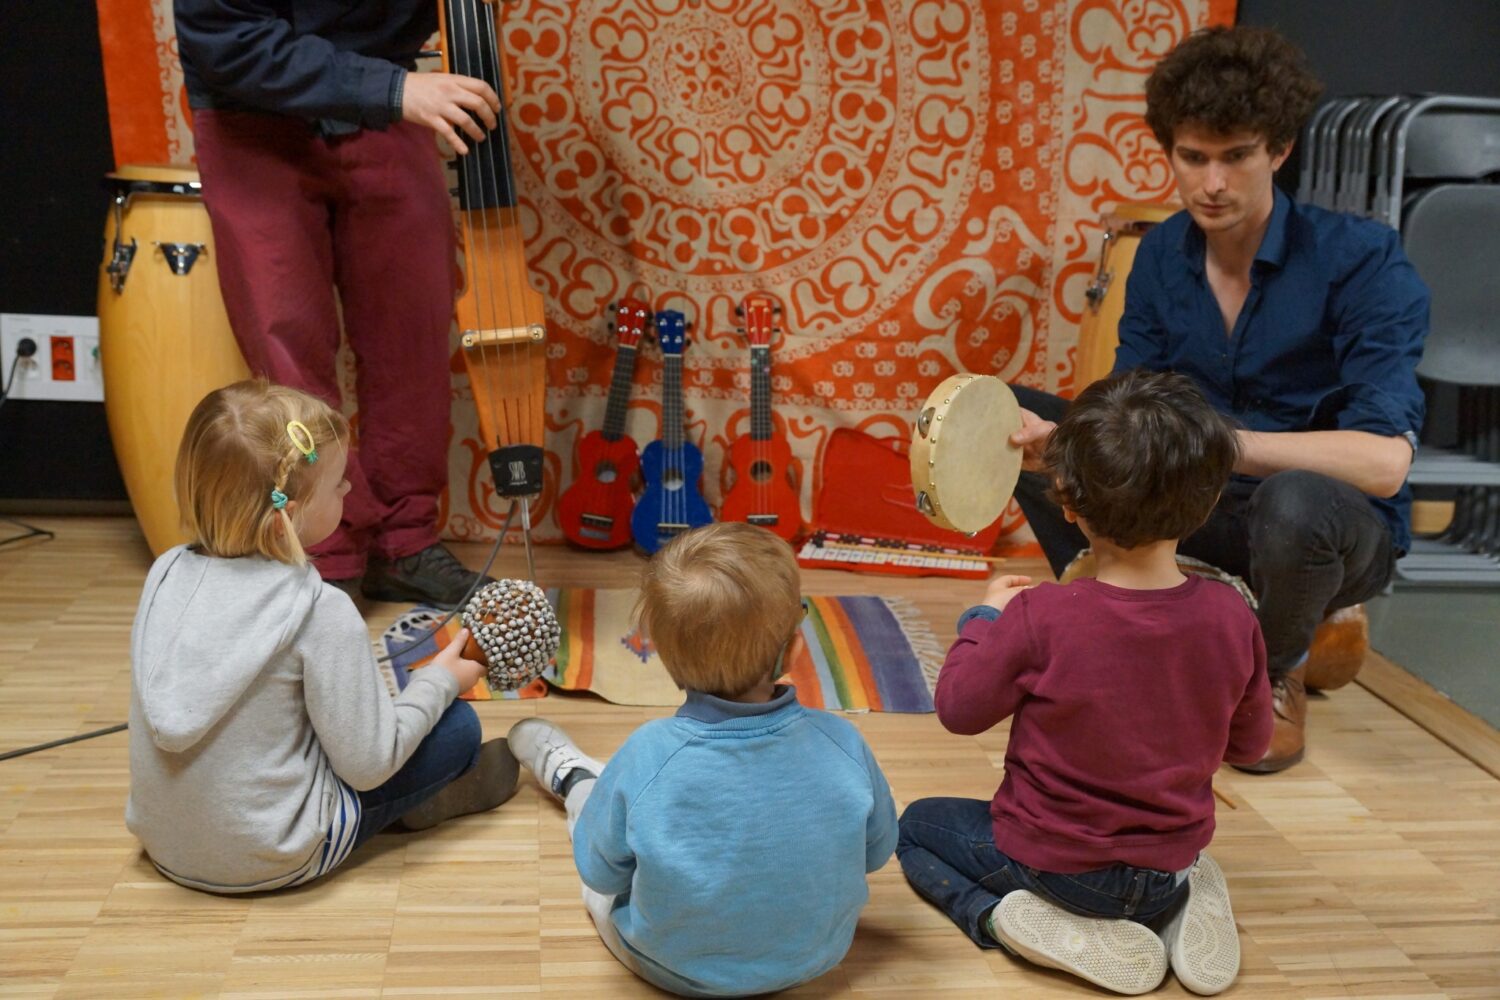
pixel 1099 333
pixel 164 339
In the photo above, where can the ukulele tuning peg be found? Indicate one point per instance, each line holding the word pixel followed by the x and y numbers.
pixel 612 306
pixel 776 308
pixel 775 329
pixel 739 310
pixel 739 329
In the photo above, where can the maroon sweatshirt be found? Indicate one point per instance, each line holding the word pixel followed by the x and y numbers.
pixel 1125 702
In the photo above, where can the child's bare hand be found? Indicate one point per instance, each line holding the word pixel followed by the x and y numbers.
pixel 1002 588
pixel 451 659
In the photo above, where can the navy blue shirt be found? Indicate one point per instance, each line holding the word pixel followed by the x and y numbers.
pixel 1328 338
pixel 331 61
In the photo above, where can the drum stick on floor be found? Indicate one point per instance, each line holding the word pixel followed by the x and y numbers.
pixel 1224 798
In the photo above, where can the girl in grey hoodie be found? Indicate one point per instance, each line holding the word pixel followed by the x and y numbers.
pixel 264 744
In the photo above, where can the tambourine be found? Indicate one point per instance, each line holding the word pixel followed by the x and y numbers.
pixel 963 466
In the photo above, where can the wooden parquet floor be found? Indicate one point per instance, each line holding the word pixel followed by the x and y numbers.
pixel 1371 870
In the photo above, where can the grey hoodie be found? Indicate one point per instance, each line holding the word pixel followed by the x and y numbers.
pixel 252 686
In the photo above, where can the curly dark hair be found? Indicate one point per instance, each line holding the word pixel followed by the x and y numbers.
pixel 1229 80
pixel 1141 457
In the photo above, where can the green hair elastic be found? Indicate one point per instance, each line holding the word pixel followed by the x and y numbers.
pixel 278 500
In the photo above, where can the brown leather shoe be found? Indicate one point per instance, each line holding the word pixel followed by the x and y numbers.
pixel 1338 649
pixel 1288 739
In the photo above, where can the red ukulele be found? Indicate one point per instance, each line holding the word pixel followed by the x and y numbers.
pixel 764 490
pixel 595 510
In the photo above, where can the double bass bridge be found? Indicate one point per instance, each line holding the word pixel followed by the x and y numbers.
pixel 504 336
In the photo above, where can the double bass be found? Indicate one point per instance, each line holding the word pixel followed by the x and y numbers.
pixel 500 316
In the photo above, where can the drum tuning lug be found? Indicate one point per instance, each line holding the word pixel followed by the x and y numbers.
pixel 924 503
pixel 924 420
pixel 119 264
pixel 180 257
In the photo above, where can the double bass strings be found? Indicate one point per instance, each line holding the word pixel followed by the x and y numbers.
pixel 510 417
pixel 460 57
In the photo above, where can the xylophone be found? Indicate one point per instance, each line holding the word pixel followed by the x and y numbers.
pixel 844 550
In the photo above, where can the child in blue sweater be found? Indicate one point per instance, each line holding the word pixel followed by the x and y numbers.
pixel 723 851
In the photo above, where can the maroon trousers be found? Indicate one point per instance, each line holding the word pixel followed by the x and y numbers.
pixel 305 225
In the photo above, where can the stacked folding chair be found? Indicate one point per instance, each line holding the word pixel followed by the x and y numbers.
pixel 1429 166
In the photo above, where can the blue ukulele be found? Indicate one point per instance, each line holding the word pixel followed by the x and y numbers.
pixel 670 467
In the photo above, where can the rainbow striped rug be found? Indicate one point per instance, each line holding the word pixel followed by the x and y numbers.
pixel 860 654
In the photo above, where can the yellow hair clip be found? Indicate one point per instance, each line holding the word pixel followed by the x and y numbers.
pixel 302 440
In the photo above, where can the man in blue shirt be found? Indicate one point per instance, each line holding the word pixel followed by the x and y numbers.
pixel 1304 325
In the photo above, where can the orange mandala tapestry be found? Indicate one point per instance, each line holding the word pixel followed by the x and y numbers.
pixel 918 183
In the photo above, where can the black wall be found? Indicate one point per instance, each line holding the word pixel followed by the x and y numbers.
pixel 1388 47
pixel 55 125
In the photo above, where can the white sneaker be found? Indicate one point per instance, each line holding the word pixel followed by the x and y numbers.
pixel 1202 942
pixel 1119 955
pixel 544 749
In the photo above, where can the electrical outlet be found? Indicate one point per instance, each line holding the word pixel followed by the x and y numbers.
pixel 65 365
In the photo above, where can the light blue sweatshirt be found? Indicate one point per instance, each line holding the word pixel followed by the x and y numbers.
pixel 736 839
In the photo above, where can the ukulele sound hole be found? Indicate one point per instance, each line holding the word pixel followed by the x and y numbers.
pixel 761 471
pixel 606 472
pixel 671 479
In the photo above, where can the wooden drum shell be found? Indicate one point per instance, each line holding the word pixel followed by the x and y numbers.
pixel 164 340
pixel 1099 332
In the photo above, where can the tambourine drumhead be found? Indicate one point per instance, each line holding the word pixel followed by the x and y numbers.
pixel 963 466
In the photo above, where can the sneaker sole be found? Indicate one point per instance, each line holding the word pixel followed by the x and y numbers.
pixel 499 775
pixel 1119 955
pixel 1202 939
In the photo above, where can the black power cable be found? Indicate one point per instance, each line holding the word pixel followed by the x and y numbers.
pixel 25 348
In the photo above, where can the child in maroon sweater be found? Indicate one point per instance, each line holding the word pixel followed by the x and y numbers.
pixel 1126 692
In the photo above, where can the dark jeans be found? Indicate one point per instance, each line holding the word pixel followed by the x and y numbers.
pixel 947 850
pixel 448 752
pixel 1307 544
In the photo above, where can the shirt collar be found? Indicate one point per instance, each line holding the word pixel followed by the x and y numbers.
pixel 704 707
pixel 1273 245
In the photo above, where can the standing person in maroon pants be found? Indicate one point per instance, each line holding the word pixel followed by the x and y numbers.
pixel 326 194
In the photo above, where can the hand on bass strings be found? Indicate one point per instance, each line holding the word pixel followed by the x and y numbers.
pixel 466 672
pixel 1002 588
pixel 448 102
pixel 1032 439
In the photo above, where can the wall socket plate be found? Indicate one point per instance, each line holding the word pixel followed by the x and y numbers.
pixel 65 366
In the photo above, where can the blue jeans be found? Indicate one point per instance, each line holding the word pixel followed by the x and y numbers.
pixel 448 752
pixel 947 850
